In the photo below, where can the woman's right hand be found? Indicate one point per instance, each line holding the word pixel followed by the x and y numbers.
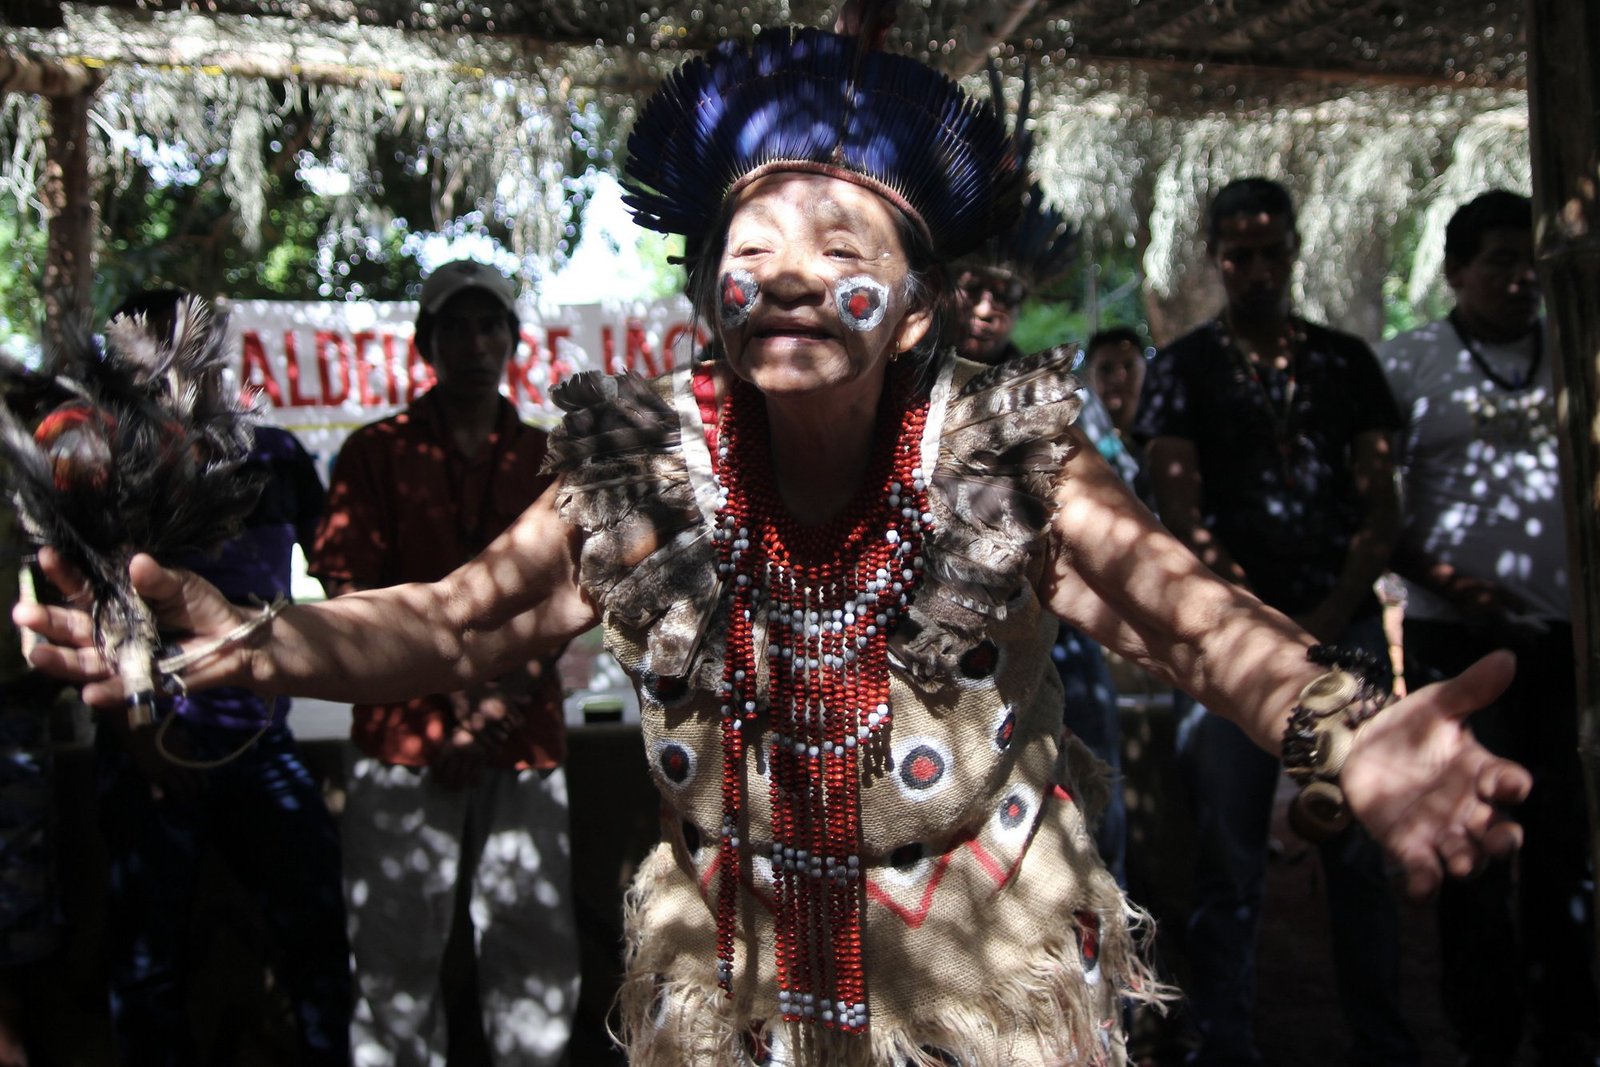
pixel 183 603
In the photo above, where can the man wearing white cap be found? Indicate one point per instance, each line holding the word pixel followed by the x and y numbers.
pixel 458 788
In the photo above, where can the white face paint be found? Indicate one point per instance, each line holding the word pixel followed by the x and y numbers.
pixel 798 234
pixel 862 301
pixel 736 296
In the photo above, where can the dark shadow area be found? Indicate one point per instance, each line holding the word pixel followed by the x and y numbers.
pixel 242 1019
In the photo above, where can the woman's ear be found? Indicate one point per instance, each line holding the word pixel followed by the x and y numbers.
pixel 913 328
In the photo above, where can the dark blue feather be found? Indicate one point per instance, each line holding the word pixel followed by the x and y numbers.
pixel 804 95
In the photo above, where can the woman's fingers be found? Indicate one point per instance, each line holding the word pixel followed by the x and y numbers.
pixel 1503 838
pixel 62 575
pixel 1477 686
pixel 76 665
pixel 182 600
pixel 1460 855
pixel 58 625
pixel 1422 870
pixel 1503 782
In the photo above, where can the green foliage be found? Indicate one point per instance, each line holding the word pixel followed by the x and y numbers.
pixel 1042 324
pixel 1399 313
pixel 658 253
pixel 21 274
pixel 1061 317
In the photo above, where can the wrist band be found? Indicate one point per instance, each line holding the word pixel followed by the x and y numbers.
pixel 1319 734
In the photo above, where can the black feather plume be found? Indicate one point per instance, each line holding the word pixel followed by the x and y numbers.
pixel 133 446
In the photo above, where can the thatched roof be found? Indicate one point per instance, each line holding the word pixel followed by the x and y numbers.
pixel 1439 42
pixel 1370 109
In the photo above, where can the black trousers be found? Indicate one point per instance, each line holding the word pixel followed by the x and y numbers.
pixel 1517 943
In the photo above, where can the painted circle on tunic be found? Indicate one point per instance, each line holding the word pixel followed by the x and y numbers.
pixel 922 767
pixel 676 762
pixel 909 865
pixel 1089 945
pixel 667 691
pixel 1015 816
pixel 1005 728
pixel 981 661
pixel 1012 811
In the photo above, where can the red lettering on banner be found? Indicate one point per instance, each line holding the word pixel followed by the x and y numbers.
pixel 255 360
pixel 328 339
pixel 519 373
pixel 559 367
pixel 608 351
pixel 391 374
pixel 669 346
pixel 639 350
pixel 362 369
pixel 416 384
pixel 291 365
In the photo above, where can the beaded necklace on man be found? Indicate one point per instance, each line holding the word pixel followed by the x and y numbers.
pixel 1516 381
pixel 1281 418
pixel 830 595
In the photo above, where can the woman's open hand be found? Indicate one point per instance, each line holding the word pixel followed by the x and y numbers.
pixel 1424 786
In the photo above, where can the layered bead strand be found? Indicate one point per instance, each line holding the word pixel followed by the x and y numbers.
pixel 830 595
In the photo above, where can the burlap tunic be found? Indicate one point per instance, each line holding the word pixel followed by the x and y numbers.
pixel 993 934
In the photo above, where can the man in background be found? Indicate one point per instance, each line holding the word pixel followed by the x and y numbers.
pixel 1113 362
pixel 1484 558
pixel 454 792
pixel 1267 445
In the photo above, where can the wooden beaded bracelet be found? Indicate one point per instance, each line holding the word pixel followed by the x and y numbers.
pixel 1321 729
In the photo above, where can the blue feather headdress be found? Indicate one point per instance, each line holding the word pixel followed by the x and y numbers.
pixel 1043 243
pixel 805 99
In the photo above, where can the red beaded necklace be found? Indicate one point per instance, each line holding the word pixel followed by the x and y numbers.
pixel 829 596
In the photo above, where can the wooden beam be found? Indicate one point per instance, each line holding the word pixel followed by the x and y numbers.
pixel 21 72
pixel 1564 113
pixel 69 257
pixel 1235 69
pixel 973 49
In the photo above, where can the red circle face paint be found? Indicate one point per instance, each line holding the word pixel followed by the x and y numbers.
pixel 736 296
pixel 862 301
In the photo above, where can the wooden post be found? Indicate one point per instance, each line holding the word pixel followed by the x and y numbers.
pixel 69 259
pixel 1564 119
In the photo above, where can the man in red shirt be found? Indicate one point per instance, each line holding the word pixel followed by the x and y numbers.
pixel 453 788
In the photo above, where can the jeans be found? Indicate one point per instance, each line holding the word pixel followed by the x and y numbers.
pixel 265 817
pixel 1091 713
pixel 1517 941
pixel 1232 784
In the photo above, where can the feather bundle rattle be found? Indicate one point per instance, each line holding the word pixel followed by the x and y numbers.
pixel 133 446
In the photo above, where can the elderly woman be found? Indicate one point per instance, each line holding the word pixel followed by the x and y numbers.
pixel 832 558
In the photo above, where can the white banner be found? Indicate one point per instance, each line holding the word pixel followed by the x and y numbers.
pixel 322 369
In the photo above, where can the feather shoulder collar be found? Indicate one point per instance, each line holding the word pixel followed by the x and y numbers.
pixel 637 478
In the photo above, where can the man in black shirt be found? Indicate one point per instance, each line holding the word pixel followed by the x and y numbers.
pixel 1268 449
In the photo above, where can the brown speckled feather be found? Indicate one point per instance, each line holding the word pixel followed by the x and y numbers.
pixel 1003 445
pixel 649 559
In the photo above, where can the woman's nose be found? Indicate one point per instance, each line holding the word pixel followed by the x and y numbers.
pixel 789 276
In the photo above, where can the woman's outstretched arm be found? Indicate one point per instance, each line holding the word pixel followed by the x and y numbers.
pixel 1415 776
pixel 518 598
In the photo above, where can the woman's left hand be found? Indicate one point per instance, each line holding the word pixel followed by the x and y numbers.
pixel 1427 790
